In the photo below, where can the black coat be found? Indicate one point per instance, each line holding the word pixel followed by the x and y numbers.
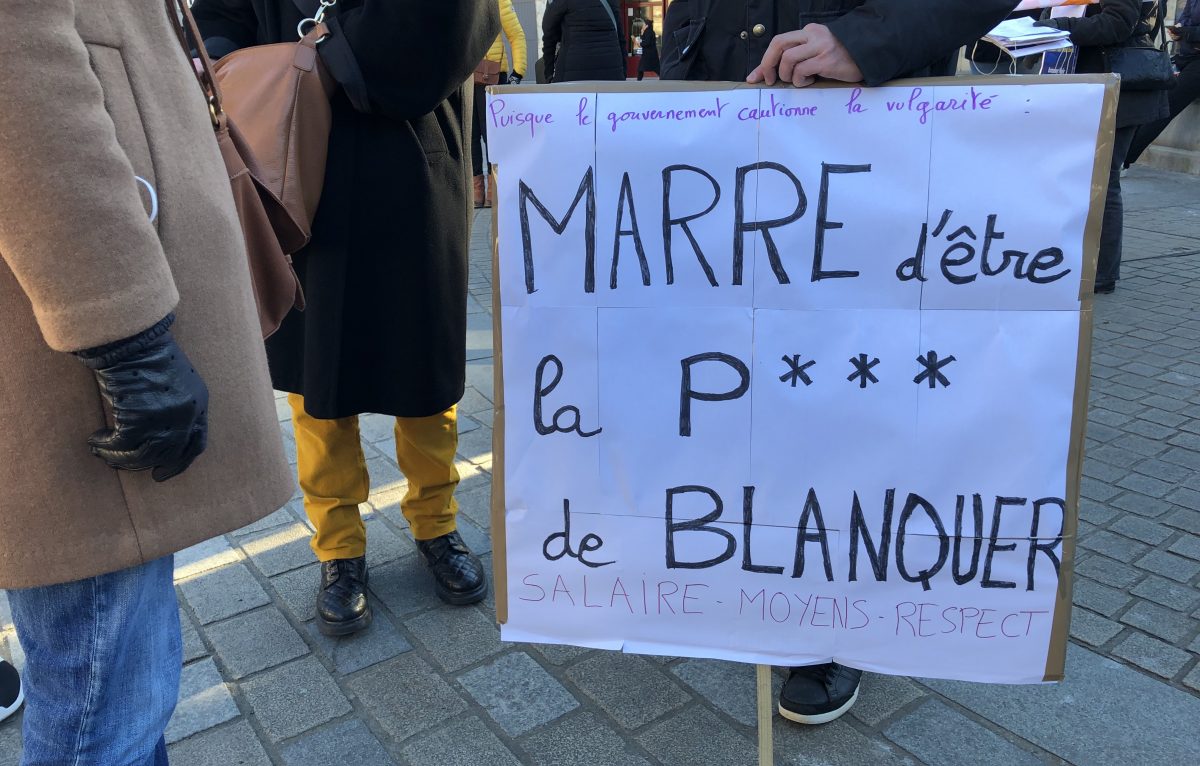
pixel 717 39
pixel 386 273
pixel 1116 23
pixel 649 61
pixel 580 41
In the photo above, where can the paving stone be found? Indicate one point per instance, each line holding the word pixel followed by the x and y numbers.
pixel 1167 624
pixel 462 743
pixel 696 736
pixel 1168 593
pixel 730 686
pixel 1156 656
pixel 193 645
pixel 1099 598
pixel 1183 457
pixel 1147 429
pixel 294 698
pixel 384 544
pixel 832 744
pixel 232 745
pixel 1109 572
pixel 255 641
pixel 473 402
pixel 477 506
pixel 1192 679
pixel 1188 545
pixel 1162 417
pixel 928 732
pixel 1141 529
pixel 405 696
pixel 1160 469
pixel 518 693
pixel 882 696
pixel 1145 484
pixel 1088 718
pixel 455 636
pixel 221 593
pixel 1113 546
pixel 281 549
pixel 580 740
pixel 289 514
pixel 204 557
pixel 374 428
pixel 1141 505
pixel 404 586
pixel 629 688
pixel 1188 521
pixel 350 654
pixel 1095 513
pixel 560 654
pixel 349 742
pixel 1092 628
pixel 1169 565
pixel 1188 498
pixel 298 591
pixel 10 741
pixel 204 701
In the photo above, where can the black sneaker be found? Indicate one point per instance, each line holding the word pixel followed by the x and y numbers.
pixel 11 693
pixel 458 574
pixel 819 693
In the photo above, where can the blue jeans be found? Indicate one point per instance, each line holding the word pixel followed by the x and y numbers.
pixel 102 667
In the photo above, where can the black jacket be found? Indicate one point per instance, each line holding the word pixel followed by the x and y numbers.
pixel 386 273
pixel 581 42
pixel 649 61
pixel 726 39
pixel 1116 23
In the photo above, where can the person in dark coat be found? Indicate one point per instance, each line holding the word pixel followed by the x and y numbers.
pixel 1115 23
pixel 799 41
pixel 582 41
pixel 649 61
pixel 386 280
pixel 1186 34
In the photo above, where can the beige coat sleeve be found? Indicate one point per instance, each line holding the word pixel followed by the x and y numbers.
pixel 73 227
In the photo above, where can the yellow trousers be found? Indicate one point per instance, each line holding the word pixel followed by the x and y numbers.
pixel 333 477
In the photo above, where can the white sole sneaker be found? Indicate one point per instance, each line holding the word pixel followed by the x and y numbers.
pixel 813 720
pixel 5 712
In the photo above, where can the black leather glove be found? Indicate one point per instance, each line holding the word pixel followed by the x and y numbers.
pixel 159 404
pixel 1052 23
pixel 514 78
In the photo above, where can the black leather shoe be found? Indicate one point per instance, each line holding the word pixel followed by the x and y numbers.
pixel 457 573
pixel 11 693
pixel 819 693
pixel 1105 288
pixel 342 606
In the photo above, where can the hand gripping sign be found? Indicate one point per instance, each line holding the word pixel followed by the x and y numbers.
pixel 788 376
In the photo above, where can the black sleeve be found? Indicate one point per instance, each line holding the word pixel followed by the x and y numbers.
pixel 888 38
pixel 1113 24
pixel 552 23
pixel 226 25
pixel 1189 34
pixel 415 53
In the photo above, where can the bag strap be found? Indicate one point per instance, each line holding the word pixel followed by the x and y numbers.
pixel 180 11
pixel 335 51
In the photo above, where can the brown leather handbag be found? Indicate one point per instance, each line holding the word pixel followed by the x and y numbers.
pixel 487 73
pixel 272 228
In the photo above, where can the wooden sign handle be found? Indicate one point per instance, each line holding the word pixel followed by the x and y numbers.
pixel 766 710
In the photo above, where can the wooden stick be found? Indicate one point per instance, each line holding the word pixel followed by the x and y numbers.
pixel 766 710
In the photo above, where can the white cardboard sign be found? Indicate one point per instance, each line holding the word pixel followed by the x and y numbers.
pixel 792 375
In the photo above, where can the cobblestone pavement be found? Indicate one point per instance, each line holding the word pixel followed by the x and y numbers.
pixel 430 684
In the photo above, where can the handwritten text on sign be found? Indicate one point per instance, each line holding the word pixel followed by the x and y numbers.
pixel 788 374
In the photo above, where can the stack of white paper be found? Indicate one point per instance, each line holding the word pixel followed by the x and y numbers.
pixel 1021 38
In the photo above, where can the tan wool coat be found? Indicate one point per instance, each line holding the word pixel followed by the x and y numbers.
pixel 103 126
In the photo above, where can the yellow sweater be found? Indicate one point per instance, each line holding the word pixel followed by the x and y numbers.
pixel 516 38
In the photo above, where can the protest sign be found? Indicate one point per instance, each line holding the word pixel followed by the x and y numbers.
pixel 791 375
